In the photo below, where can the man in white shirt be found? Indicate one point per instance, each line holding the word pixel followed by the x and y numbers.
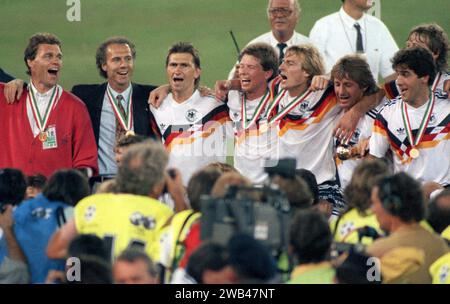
pixel 351 30
pixel 283 17
pixel 416 125
pixel 255 141
pixel 192 127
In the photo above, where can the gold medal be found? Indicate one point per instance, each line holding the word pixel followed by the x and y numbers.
pixel 130 133
pixel 414 153
pixel 43 136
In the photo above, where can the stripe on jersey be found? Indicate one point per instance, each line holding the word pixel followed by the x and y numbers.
pixel 296 122
pixel 182 134
pixel 428 140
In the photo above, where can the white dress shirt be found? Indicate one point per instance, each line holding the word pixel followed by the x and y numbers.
pixel 335 36
pixel 270 39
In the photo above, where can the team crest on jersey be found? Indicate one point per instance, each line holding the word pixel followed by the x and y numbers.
pixel 40 212
pixel 432 119
pixel 236 115
pixel 137 219
pixel 304 106
pixel 400 131
pixel 89 213
pixel 162 126
pixel 191 115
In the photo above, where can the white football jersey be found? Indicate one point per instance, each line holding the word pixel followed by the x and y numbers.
pixel 306 133
pixel 194 132
pixel 433 163
pixel 255 145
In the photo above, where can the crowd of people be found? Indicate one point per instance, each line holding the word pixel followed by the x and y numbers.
pixel 115 175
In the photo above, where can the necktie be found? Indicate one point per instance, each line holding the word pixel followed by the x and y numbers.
pixel 281 47
pixel 359 43
pixel 120 131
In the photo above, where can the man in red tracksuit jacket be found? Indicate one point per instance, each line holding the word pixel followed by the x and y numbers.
pixel 49 128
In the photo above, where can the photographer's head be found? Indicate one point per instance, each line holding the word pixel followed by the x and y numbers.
pixel 226 180
pixel 142 170
pixel 397 200
pixel 366 174
pixel 134 266
pixel 296 191
pixel 68 186
pixel 12 186
pixel 201 183
pixel 251 260
pixel 310 237
pixel 438 213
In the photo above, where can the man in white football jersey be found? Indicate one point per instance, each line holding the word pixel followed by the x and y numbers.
pixel 192 127
pixel 255 141
pixel 306 119
pixel 352 80
pixel 416 125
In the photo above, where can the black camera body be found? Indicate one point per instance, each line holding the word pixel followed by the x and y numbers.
pixel 267 220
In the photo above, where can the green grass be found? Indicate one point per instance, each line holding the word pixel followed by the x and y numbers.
pixel 155 24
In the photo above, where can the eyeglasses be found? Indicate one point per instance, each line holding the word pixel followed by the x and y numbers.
pixel 284 12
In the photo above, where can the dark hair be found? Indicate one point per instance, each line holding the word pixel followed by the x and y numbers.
pixel 311 181
pixel 310 236
pixel 132 255
pixel 355 68
pixel 33 45
pixel 438 213
pixel 354 269
pixel 296 191
pixel 185 47
pixel 401 195
pixel 129 140
pixel 67 186
pixel 436 39
pixel 266 55
pixel 208 256
pixel 88 245
pixel 100 55
pixel 13 186
pixel 364 177
pixel 201 183
pixel 94 270
pixel 417 59
pixel 250 259
pixel 36 181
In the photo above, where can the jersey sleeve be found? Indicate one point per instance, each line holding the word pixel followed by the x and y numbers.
pixel 379 144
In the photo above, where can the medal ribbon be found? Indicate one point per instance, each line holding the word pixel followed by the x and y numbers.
pixel 425 119
pixel 42 121
pixel 127 120
pixel 287 108
pixel 259 108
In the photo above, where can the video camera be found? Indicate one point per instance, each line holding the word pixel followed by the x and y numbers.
pixel 262 212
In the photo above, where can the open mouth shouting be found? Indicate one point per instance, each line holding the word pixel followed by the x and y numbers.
pixel 53 71
pixel 283 80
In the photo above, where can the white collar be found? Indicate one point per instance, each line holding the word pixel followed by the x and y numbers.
pixel 194 96
pixel 36 93
pixel 349 21
pixel 274 40
pixel 125 93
